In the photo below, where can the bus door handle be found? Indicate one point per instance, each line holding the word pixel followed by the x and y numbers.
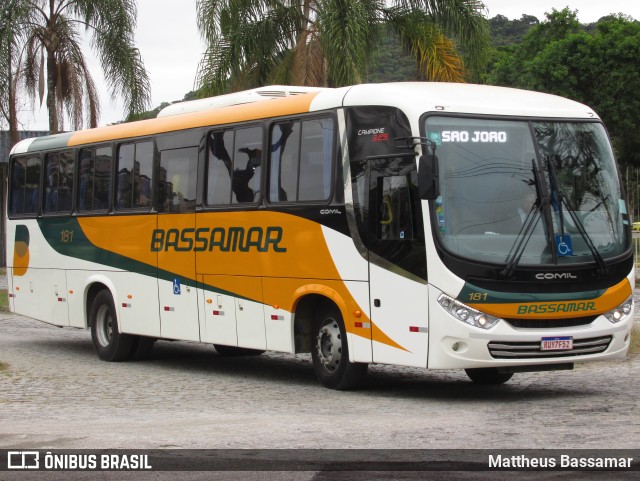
pixel 219 302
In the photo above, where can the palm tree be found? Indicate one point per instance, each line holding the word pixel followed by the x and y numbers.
pixel 11 17
pixel 330 42
pixel 52 59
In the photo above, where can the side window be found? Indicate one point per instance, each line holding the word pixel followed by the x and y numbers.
pixel 58 182
pixel 316 152
pixel 25 185
pixel 134 175
pixel 94 179
pixel 177 180
pixel 301 161
pixel 247 165
pixel 285 152
pixel 234 166
pixel 219 168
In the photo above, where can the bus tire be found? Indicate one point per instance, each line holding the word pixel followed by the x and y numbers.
pixel 236 351
pixel 488 375
pixel 330 352
pixel 109 343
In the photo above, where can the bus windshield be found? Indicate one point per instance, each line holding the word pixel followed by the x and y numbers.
pixel 498 175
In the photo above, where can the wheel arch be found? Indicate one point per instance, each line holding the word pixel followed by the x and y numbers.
pixel 308 300
pixel 93 287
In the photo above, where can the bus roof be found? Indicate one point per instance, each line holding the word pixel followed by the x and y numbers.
pixel 414 98
pixel 259 94
pixel 420 97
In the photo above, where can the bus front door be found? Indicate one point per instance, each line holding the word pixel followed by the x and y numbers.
pixel 397 265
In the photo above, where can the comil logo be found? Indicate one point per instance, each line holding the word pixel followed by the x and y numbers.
pixel 553 276
pixel 23 460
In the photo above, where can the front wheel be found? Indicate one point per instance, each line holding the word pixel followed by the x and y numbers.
pixel 488 375
pixel 330 352
pixel 110 344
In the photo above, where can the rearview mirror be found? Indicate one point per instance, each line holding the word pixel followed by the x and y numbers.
pixel 428 177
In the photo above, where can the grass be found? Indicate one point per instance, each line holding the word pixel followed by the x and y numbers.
pixel 4 300
pixel 4 304
pixel 634 347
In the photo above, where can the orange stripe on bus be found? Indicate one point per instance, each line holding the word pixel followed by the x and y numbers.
pixel 305 265
pixel 238 113
pixel 610 299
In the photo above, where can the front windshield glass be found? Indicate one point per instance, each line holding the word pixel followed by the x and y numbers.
pixel 488 190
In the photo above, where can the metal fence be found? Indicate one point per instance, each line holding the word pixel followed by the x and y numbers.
pixel 631 180
pixel 636 254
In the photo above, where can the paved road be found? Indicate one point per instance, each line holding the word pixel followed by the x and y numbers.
pixel 56 394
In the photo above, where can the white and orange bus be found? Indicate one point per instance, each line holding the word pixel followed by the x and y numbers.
pixel 418 224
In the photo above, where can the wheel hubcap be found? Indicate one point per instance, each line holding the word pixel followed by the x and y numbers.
pixel 104 326
pixel 329 345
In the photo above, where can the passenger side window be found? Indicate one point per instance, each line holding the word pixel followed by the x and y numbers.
pixel 94 179
pixel 177 180
pixel 219 167
pixel 301 161
pixel 234 167
pixel 134 175
pixel 58 182
pixel 25 185
pixel 247 165
pixel 285 153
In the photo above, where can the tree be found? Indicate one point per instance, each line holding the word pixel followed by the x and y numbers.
pixel 52 59
pixel 506 32
pixel 599 69
pixel 331 42
pixel 510 68
pixel 391 63
pixel 11 17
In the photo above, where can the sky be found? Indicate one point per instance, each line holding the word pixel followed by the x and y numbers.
pixel 171 47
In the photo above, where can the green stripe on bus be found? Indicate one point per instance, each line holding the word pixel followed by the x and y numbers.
pixel 476 295
pixel 50 142
pixel 80 247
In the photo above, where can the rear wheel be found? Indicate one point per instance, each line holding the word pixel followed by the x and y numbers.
pixel 236 351
pixel 330 352
pixel 109 343
pixel 488 375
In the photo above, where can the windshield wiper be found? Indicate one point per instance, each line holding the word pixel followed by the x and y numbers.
pixel 562 199
pixel 530 222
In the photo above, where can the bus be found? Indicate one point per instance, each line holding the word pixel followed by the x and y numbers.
pixel 434 225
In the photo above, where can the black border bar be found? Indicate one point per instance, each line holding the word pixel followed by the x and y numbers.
pixel 347 460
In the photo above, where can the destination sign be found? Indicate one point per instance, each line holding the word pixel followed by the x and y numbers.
pixel 478 136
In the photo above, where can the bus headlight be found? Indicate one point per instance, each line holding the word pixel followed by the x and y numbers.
pixel 467 314
pixel 620 313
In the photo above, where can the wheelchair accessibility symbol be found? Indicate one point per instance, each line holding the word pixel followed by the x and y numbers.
pixel 176 286
pixel 563 245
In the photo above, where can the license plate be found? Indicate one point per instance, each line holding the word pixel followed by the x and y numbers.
pixel 556 343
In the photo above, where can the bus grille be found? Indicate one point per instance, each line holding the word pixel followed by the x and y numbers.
pixel 551 323
pixel 531 350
